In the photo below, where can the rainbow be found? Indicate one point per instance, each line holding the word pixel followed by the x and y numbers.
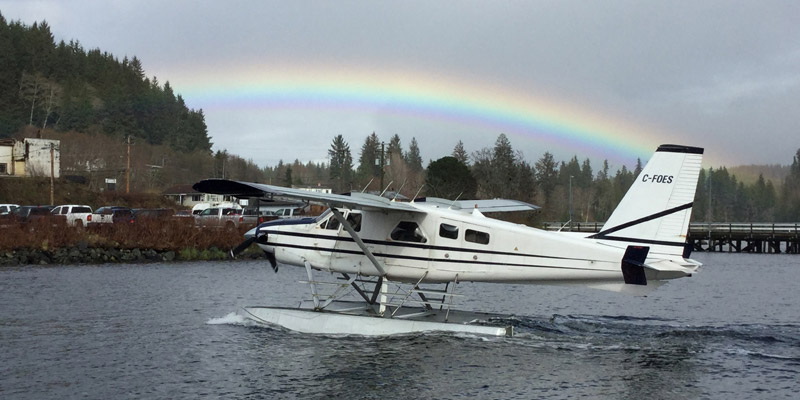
pixel 411 94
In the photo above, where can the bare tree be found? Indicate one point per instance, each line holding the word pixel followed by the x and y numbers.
pixel 52 97
pixel 30 89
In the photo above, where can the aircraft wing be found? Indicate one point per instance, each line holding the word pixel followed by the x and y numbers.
pixel 484 206
pixel 251 189
pixel 496 205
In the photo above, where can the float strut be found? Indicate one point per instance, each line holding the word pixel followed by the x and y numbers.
pixel 314 295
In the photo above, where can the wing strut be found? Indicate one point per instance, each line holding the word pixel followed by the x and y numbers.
pixel 339 217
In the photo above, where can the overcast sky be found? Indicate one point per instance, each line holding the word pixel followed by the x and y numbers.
pixel 600 79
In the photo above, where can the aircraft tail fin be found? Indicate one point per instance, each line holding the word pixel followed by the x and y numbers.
pixel 656 209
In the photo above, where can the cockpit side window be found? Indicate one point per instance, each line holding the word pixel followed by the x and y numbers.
pixel 408 231
pixel 333 223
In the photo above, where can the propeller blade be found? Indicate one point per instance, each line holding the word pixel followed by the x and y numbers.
pixel 272 261
pixel 261 239
pixel 240 248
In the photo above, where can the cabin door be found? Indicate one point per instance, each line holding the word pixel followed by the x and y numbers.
pixel 347 255
pixel 449 241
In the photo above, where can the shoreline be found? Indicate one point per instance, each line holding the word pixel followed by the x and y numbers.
pixel 98 255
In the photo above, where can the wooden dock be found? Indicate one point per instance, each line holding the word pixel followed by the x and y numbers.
pixel 760 238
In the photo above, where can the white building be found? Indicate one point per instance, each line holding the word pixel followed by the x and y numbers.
pixel 315 189
pixel 186 196
pixel 30 157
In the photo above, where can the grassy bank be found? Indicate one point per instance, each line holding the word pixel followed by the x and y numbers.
pixel 40 242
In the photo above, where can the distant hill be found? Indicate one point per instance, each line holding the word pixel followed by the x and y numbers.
pixel 64 87
pixel 748 174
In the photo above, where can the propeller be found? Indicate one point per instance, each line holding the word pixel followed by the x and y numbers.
pixel 240 248
pixel 247 242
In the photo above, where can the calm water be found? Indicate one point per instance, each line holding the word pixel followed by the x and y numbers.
pixel 172 331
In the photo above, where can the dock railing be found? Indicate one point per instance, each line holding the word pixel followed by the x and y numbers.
pixel 695 228
pixel 751 237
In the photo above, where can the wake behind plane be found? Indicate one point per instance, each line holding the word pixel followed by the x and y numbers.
pixel 386 251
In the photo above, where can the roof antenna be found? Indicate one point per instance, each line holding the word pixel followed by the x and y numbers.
pixel 454 201
pixel 417 194
pixel 387 188
pixel 368 183
pixel 397 193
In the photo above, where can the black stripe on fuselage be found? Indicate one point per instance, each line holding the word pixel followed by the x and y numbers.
pixel 425 259
pixel 643 241
pixel 417 245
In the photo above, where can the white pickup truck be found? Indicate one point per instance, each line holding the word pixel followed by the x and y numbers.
pixel 289 213
pixel 106 216
pixel 227 216
pixel 76 215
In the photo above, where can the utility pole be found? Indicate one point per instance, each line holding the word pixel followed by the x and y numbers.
pixel 708 211
pixel 570 202
pixel 128 169
pixel 383 162
pixel 52 173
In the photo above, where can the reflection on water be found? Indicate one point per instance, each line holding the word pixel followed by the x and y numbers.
pixel 172 330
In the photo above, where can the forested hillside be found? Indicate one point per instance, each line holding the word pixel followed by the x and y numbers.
pixel 92 102
pixel 64 87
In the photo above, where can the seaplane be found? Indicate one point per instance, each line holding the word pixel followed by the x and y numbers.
pixel 402 261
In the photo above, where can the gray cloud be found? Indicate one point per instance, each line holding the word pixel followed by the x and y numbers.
pixel 714 73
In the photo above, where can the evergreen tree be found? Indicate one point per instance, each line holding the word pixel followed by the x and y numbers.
pixel 341 164
pixel 546 175
pixel 394 147
pixel 586 175
pixel 504 175
pixel 287 178
pixel 570 169
pixel 639 167
pixel 413 159
pixel 450 179
pixel 369 159
pixel 790 198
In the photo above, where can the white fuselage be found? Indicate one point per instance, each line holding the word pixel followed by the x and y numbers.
pixel 449 245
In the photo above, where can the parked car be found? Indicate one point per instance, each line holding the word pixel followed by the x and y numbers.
pixel 152 214
pixel 183 214
pixel 30 214
pixel 76 215
pixel 111 215
pixel 6 209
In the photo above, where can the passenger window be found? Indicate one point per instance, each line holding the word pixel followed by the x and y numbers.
pixel 64 210
pixel 354 219
pixel 476 236
pixel 448 231
pixel 407 231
